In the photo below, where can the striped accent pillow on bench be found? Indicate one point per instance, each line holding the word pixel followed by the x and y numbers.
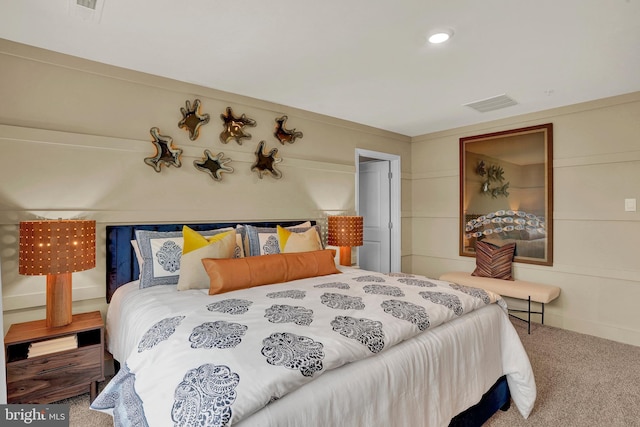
pixel 494 261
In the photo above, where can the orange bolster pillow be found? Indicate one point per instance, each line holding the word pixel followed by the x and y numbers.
pixel 231 274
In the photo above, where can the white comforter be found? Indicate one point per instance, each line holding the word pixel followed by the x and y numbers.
pixel 216 360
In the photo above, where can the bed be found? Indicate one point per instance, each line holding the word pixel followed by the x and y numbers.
pixel 348 348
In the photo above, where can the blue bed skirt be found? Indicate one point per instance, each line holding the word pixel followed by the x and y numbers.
pixel 498 397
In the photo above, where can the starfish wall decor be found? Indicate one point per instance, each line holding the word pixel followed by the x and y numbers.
pixel 234 127
pixel 214 166
pixel 283 134
pixel 165 153
pixel 192 119
pixel 266 163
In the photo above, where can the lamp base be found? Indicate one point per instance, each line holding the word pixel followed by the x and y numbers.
pixel 58 300
pixel 345 255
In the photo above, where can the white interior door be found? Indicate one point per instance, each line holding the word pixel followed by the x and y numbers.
pixel 374 205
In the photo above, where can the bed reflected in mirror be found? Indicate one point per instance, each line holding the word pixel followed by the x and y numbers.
pixel 506 192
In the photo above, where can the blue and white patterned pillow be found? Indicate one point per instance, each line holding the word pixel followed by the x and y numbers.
pixel 161 252
pixel 264 240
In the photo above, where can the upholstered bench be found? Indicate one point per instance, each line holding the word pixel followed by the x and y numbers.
pixel 519 289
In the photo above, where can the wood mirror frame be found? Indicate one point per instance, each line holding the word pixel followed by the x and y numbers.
pixel 506 192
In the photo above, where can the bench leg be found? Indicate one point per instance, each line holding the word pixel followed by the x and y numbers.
pixel 528 311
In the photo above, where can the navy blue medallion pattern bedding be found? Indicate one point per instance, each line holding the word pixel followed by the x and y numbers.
pixel 204 397
pixel 294 352
pixel 216 359
pixel 338 285
pixel 410 312
pixel 292 293
pixel 230 306
pixel 452 302
pixel 366 332
pixel 159 332
pixel 474 292
pixel 123 400
pixel 279 313
pixel 392 291
pixel 368 278
pixel 417 282
pixel 341 301
pixel 218 334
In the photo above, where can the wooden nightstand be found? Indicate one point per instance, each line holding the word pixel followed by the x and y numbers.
pixel 54 376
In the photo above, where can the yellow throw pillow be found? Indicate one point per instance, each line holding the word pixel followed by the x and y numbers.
pixel 194 240
pixel 290 241
pixel 192 273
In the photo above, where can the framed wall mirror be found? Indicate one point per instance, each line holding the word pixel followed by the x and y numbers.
pixel 506 192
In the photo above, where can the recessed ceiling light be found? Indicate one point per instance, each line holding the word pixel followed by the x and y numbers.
pixel 440 36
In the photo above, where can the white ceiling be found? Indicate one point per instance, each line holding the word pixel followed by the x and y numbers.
pixel 361 60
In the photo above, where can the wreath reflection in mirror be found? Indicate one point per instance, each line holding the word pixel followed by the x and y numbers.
pixel 166 154
pixel 491 175
pixel 283 134
pixel 192 119
pixel 234 127
pixel 214 166
pixel 266 163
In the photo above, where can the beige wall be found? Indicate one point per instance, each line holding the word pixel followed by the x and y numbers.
pixel 596 256
pixel 74 134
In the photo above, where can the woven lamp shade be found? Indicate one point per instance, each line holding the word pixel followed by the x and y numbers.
pixel 345 230
pixel 56 246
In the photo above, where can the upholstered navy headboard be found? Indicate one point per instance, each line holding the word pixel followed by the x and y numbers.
pixel 122 266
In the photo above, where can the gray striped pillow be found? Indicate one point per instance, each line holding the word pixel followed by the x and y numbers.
pixel 494 261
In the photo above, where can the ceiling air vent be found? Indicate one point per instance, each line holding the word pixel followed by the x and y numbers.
pixel 493 103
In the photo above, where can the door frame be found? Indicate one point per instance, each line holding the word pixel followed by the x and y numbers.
pixel 394 200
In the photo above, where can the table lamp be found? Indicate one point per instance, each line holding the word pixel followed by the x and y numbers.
pixel 345 232
pixel 57 248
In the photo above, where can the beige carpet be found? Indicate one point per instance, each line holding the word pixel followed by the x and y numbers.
pixel 582 381
pixel 80 415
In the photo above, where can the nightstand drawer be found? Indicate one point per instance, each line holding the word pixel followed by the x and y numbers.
pixel 54 376
pixel 32 380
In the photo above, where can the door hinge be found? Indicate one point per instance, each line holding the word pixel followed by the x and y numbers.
pixel 390 175
pixel 390 225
